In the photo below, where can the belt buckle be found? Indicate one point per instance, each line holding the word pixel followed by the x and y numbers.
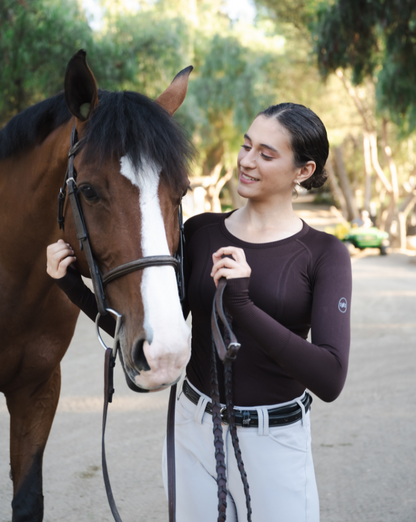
pixel 246 419
pixel 224 415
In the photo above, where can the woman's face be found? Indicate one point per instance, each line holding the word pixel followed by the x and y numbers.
pixel 265 163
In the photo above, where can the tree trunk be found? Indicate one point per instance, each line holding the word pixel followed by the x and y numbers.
pixel 368 171
pixel 345 184
pixel 404 210
pixel 336 192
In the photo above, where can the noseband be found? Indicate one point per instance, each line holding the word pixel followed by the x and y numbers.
pixel 99 280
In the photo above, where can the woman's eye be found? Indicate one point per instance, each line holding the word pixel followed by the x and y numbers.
pixel 246 147
pixel 267 158
pixel 88 192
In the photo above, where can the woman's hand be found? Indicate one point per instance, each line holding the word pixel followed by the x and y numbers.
pixel 58 257
pixel 229 267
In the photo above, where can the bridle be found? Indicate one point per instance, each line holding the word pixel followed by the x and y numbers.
pixel 98 279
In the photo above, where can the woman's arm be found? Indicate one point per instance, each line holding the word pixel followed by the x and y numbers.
pixel 320 365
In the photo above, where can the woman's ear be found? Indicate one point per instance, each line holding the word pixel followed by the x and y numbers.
pixel 305 172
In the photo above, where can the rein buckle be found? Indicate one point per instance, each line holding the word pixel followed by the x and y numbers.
pixel 232 351
pixel 224 415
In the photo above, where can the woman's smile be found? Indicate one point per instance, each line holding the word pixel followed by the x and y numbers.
pixel 245 178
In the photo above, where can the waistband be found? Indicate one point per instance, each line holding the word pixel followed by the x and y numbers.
pixel 279 416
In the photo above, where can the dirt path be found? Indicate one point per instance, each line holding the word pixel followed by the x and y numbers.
pixel 364 443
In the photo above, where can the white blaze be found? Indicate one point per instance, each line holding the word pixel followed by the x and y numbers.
pixel 167 348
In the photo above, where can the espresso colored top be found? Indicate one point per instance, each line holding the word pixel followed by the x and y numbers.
pixel 299 284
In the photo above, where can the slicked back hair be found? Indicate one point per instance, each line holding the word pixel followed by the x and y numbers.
pixel 309 140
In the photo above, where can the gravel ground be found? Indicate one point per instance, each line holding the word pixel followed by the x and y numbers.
pixel 364 443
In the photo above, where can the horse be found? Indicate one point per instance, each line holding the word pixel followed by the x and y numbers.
pixel 132 171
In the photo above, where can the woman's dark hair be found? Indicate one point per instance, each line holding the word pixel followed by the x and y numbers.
pixel 309 140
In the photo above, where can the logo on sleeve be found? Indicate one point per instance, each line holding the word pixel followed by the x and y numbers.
pixel 342 305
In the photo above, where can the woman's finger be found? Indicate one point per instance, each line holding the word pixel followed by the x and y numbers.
pixel 59 256
pixel 228 274
pixel 237 253
pixel 224 262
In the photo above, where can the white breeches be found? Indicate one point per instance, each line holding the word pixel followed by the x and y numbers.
pixel 278 462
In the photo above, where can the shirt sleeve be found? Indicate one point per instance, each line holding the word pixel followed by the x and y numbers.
pixel 320 365
pixel 74 287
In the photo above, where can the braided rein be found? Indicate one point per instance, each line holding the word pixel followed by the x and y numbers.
pixel 226 347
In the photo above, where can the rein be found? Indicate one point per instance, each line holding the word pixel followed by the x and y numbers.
pixel 226 347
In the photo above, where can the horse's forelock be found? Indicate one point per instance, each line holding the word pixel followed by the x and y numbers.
pixel 130 124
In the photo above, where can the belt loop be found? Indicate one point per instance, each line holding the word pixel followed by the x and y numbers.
pixel 263 416
pixel 200 409
pixel 302 407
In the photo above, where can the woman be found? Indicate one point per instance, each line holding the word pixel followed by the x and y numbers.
pixel 284 278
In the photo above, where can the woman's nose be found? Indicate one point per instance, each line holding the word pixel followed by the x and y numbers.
pixel 248 160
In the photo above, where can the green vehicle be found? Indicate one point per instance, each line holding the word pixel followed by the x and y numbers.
pixel 364 237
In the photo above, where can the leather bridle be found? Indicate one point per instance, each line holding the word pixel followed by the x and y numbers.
pixel 98 279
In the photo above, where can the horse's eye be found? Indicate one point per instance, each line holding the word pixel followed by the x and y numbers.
pixel 88 192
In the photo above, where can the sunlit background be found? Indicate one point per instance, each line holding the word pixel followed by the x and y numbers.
pixel 236 10
pixel 351 64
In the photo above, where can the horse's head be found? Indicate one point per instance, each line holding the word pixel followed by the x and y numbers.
pixel 131 176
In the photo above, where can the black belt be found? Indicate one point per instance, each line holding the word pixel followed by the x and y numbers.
pixel 249 418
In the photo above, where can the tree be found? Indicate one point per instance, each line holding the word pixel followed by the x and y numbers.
pixel 36 37
pixel 375 39
pixel 140 51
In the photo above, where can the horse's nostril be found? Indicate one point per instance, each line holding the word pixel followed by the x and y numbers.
pixel 139 357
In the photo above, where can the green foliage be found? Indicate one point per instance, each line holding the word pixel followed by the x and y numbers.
pixel 373 38
pixel 36 37
pixel 234 84
pixel 347 37
pixel 141 52
pixel 237 79
pixel 299 13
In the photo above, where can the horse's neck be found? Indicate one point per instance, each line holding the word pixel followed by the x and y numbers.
pixel 29 186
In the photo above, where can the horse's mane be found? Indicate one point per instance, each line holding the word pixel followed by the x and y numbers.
pixel 124 123
pixel 33 125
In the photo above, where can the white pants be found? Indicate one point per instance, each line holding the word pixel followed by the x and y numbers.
pixel 278 462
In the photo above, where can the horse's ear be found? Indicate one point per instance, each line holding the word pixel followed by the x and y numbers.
pixel 81 93
pixel 173 97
